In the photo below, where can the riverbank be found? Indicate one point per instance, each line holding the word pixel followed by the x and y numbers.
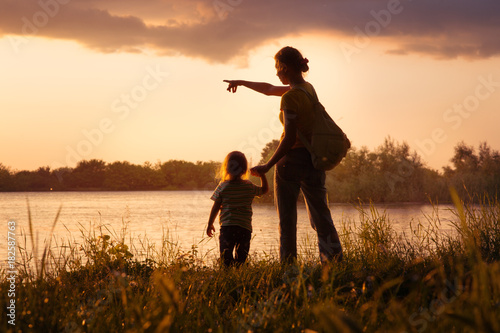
pixel 424 282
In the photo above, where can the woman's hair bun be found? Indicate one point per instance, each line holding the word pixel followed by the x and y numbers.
pixel 304 66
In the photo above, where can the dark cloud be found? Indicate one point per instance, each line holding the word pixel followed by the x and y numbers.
pixel 219 30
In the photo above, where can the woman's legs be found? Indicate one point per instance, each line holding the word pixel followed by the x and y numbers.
pixel 286 204
pixel 286 192
pixel 315 195
pixel 293 173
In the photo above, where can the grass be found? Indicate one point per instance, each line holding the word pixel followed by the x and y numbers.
pixel 423 281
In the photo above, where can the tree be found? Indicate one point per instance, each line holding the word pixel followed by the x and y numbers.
pixel 182 175
pixel 474 174
pixel 465 159
pixel 268 151
pixel 390 173
pixel 5 178
pixel 42 179
pixel 87 175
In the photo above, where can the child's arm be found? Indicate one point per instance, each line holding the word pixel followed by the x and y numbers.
pixel 213 215
pixel 262 87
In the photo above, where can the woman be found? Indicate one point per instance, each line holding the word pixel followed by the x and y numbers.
pixel 294 171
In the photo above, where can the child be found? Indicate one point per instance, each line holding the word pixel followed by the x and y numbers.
pixel 233 197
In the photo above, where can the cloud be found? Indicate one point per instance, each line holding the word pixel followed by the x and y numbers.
pixel 222 30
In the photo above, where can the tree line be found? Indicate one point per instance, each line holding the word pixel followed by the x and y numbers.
pixel 394 173
pixel 389 173
pixel 98 175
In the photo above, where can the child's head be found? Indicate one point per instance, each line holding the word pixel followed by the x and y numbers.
pixel 235 166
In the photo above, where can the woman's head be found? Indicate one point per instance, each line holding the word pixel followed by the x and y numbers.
pixel 235 166
pixel 289 61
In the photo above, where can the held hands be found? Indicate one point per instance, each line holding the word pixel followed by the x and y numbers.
pixel 233 85
pixel 259 170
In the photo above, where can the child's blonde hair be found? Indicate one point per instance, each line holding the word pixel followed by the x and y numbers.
pixel 234 166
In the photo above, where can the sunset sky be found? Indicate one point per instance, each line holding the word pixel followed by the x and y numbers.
pixel 142 80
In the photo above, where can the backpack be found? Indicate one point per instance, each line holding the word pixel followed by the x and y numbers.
pixel 329 144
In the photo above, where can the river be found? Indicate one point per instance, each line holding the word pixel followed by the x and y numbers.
pixel 179 216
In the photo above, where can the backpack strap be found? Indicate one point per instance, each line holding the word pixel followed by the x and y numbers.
pixel 313 99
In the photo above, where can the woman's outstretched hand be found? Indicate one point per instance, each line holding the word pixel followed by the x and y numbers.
pixel 233 85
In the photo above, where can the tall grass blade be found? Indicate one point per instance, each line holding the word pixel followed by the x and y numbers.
pixel 46 250
pixel 34 240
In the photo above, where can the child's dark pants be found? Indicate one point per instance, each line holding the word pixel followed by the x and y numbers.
pixel 234 237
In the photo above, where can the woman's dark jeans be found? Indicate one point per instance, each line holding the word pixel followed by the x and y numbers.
pixel 293 173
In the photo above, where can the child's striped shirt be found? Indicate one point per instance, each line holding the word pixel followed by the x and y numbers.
pixel 236 198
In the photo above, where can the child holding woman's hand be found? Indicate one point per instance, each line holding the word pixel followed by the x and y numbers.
pixel 233 198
